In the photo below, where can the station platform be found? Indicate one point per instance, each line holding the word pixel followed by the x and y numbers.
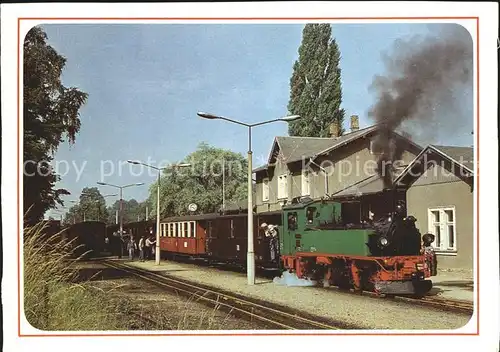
pixel 452 284
pixel 357 310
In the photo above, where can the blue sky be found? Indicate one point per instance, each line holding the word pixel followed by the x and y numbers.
pixel 146 83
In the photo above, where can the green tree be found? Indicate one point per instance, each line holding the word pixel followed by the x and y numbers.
pixel 132 211
pixel 201 183
pixel 90 207
pixel 51 116
pixel 93 204
pixel 315 85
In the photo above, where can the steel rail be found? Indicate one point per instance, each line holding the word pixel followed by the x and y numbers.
pixel 234 304
pixel 447 304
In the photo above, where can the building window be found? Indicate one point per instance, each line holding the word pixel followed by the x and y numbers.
pixel 282 187
pixel 265 190
pixel 306 183
pixel 442 226
pixel 374 148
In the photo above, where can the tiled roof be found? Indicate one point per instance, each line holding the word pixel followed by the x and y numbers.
pixel 462 155
pixel 370 185
pixel 295 148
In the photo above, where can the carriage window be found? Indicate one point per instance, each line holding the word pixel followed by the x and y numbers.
pixel 310 214
pixel 186 229
pixel 179 230
pixel 232 228
pixel 209 229
pixel 292 221
pixel 172 232
pixel 193 233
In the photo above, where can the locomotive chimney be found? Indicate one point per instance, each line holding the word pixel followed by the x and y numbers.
pixel 334 130
pixel 354 123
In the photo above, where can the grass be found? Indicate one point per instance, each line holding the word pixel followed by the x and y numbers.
pixel 54 300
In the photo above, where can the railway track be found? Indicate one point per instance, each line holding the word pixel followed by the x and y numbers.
pixel 269 314
pixel 451 305
pixel 443 304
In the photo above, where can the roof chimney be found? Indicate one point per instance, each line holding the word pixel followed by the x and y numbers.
pixel 334 130
pixel 354 123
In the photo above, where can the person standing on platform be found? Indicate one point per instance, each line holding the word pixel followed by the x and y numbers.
pixel 149 247
pixel 131 247
pixel 142 248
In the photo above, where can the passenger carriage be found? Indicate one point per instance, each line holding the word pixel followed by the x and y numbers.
pixel 216 238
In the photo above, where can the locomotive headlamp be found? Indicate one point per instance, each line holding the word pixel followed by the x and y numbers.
pixel 383 241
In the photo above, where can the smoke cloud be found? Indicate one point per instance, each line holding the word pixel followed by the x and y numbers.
pixel 291 279
pixel 424 78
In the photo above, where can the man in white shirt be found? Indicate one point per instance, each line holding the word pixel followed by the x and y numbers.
pixel 271 232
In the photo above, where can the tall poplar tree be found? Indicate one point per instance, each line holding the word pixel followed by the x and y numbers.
pixel 315 86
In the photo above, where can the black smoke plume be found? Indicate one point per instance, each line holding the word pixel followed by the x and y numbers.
pixel 421 77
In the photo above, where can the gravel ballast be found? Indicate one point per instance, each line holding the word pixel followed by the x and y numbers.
pixel 162 310
pixel 364 311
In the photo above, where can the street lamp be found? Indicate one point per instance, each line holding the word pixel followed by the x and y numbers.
pixel 121 205
pixel 159 169
pixel 250 250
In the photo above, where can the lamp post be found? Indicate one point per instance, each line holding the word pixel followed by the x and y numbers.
pixel 250 250
pixel 159 169
pixel 121 205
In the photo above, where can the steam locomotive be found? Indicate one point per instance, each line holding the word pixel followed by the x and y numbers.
pixel 313 242
pixel 382 256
